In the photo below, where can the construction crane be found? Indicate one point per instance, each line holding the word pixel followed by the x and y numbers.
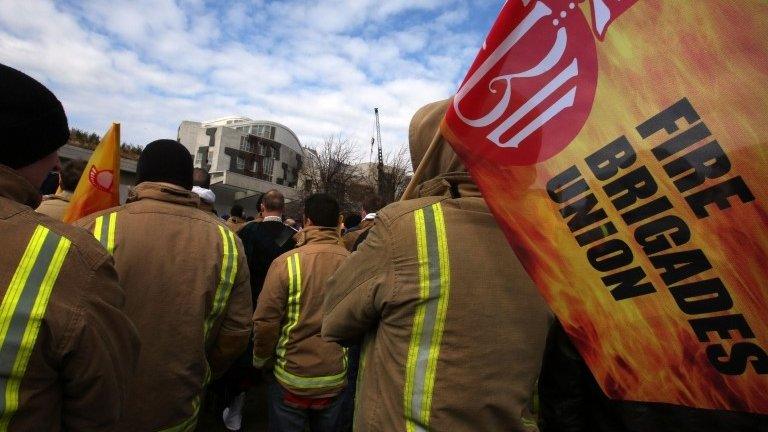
pixel 380 168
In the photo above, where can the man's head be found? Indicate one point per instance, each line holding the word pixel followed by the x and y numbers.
pixel 352 220
pixel 321 210
pixel 165 161
pixel 70 174
pixel 202 178
pixel 272 203
pixel 33 126
pixel 236 211
pixel 372 204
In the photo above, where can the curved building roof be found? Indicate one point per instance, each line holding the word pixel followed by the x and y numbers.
pixel 291 142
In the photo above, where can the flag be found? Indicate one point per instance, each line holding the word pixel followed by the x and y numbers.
pixel 99 186
pixel 623 148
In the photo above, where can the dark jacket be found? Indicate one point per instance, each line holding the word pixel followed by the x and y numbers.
pixel 263 242
pixel 571 401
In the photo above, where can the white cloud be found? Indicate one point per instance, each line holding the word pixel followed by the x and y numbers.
pixel 319 67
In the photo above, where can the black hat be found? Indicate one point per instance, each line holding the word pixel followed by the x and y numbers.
pixel 165 161
pixel 32 121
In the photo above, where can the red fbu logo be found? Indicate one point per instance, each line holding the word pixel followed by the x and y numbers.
pixel 531 87
pixel 101 180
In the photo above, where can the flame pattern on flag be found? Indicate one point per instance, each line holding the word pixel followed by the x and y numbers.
pixel 657 52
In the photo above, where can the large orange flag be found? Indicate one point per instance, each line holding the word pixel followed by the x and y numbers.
pixel 623 147
pixel 99 187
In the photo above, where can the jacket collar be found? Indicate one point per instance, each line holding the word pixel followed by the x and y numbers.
pixel 165 192
pixel 316 234
pixel 455 185
pixel 62 196
pixel 17 188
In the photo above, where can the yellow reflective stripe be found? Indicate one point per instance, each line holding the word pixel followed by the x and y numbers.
pixel 11 298
pixel 104 230
pixel 418 320
pixel 111 233
pixel 442 309
pixel 22 311
pixel 226 279
pixel 98 226
pixel 298 381
pixel 293 307
pixel 429 317
pixel 220 300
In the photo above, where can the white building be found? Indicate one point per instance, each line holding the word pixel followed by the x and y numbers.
pixel 246 158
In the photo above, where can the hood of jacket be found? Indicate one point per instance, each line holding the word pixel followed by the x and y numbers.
pixel 318 234
pixel 16 188
pixel 165 192
pixel 437 168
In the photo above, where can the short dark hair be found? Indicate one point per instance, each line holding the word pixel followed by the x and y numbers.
pixel 372 203
pixel 273 200
pixel 201 177
pixel 70 174
pixel 352 220
pixel 236 211
pixel 322 210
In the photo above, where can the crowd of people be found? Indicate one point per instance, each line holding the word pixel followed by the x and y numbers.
pixel 419 317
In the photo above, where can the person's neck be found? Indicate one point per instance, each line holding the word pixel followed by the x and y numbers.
pixel 271 214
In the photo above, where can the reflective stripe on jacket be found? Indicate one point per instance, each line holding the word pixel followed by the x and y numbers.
pixel 189 294
pixel 67 351
pixel 289 315
pixel 453 327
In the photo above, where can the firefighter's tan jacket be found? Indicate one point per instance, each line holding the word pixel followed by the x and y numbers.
pixel 55 206
pixel 188 293
pixel 67 350
pixel 289 314
pixel 454 327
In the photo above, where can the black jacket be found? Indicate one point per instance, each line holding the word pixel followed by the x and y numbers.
pixel 572 401
pixel 263 242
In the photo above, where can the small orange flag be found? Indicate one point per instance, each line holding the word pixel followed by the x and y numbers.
pixel 99 186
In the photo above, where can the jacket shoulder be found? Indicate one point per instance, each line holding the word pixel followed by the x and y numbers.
pixel 396 211
pixel 87 221
pixel 83 243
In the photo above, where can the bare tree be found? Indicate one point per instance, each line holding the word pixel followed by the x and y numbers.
pixel 330 168
pixel 396 174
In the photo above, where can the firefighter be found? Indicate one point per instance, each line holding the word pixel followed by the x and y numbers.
pixel 309 373
pixel 453 327
pixel 187 289
pixel 67 350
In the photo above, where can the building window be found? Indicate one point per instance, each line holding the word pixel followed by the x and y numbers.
pixel 255 166
pixel 240 163
pixel 276 152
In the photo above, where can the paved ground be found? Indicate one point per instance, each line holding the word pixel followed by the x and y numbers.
pixel 254 413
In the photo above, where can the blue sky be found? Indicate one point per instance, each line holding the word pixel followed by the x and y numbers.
pixel 320 67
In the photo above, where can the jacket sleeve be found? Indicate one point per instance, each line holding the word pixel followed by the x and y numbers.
pixel 354 294
pixel 270 309
pixel 235 329
pixel 563 389
pixel 100 358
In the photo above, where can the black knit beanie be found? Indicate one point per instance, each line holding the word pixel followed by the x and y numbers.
pixel 165 161
pixel 32 121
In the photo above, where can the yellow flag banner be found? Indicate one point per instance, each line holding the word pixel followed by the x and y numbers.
pixel 622 146
pixel 99 186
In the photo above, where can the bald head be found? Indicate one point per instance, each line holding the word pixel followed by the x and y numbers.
pixel 272 203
